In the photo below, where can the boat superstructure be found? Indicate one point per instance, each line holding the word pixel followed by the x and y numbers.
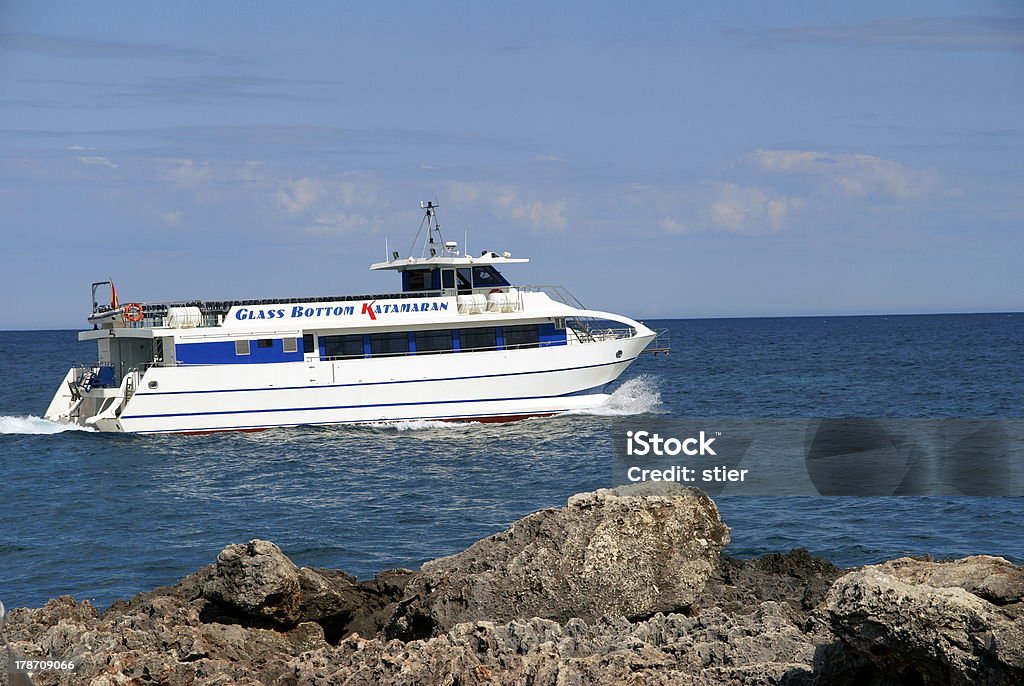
pixel 459 342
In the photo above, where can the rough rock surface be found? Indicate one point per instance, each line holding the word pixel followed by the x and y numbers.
pixel 256 618
pixel 629 552
pixel 959 622
pixel 764 647
pixel 256 579
pixel 795 578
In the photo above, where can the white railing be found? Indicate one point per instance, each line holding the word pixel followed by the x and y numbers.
pixel 556 293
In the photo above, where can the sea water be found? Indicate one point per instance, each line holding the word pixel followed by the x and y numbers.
pixel 104 516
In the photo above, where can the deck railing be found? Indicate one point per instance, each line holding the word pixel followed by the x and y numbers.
pixel 556 293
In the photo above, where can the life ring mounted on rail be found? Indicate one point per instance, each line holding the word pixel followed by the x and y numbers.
pixel 134 312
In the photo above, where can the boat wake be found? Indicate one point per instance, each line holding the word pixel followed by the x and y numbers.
pixel 35 425
pixel 638 395
pixel 417 425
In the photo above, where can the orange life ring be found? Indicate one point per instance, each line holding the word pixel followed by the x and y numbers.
pixel 133 312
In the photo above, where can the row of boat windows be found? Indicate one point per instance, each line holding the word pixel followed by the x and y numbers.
pixel 427 342
pixel 404 343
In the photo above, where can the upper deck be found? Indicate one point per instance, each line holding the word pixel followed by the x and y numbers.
pixel 440 285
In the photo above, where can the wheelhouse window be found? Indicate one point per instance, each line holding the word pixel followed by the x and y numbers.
pixel 488 277
pixel 474 339
pixel 418 280
pixel 242 347
pixel 465 278
pixel 290 345
pixel 396 343
pixel 522 336
pixel 307 343
pixel 343 346
pixel 433 341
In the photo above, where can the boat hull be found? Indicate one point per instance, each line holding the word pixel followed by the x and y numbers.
pixel 498 385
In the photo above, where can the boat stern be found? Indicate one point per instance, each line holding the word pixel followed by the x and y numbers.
pixel 89 397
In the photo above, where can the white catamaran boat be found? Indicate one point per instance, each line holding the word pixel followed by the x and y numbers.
pixel 458 343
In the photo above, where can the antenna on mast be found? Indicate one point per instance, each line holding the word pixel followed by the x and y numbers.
pixel 433 226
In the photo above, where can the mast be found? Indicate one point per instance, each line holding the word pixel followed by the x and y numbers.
pixel 432 247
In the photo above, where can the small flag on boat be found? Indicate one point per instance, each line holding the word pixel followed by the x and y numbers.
pixel 113 296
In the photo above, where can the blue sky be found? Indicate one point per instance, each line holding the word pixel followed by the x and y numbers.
pixel 659 160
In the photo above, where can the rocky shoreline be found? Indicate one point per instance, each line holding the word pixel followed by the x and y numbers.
pixel 623 586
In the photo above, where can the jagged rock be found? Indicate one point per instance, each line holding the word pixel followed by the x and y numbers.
pixel 796 578
pixel 991 578
pixel 343 605
pixel 630 552
pixel 764 647
pixel 599 568
pixel 929 622
pixel 258 580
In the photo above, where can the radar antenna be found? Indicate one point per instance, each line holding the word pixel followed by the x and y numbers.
pixel 431 246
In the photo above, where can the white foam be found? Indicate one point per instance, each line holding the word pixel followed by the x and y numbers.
pixel 35 425
pixel 418 425
pixel 636 396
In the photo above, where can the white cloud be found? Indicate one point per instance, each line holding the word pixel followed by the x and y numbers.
pixel 326 194
pixel 462 193
pixel 853 175
pixel 299 195
pixel 172 218
pixel 185 172
pixel 508 201
pixel 97 161
pixel 749 209
pixel 504 197
pixel 788 187
pixel 673 225
pixel 334 223
pixel 542 215
pixel 190 174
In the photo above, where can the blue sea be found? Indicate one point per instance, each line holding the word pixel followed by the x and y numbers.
pixel 102 516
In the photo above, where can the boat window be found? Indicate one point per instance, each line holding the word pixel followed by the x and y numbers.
pixel 522 336
pixel 487 277
pixel 265 343
pixel 447 278
pixel 433 341
pixel 395 343
pixel 290 345
pixel 242 347
pixel 343 346
pixel 465 281
pixel 473 339
pixel 307 343
pixel 417 280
